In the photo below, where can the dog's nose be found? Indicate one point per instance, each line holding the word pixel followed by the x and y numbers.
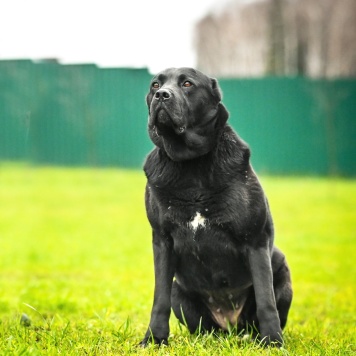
pixel 162 94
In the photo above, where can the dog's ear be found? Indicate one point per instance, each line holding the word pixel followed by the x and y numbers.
pixel 216 89
pixel 223 114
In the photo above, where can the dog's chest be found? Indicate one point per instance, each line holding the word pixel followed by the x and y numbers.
pixel 195 211
pixel 196 201
pixel 200 221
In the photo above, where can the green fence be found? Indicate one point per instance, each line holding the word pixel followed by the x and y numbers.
pixel 85 115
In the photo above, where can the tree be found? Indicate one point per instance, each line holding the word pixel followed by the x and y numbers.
pixel 316 38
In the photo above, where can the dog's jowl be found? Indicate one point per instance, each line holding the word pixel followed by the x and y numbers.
pixel 215 261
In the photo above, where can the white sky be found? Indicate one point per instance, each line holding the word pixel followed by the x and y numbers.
pixel 141 33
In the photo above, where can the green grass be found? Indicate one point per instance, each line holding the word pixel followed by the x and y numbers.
pixel 75 257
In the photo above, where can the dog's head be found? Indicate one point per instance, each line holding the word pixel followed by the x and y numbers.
pixel 185 113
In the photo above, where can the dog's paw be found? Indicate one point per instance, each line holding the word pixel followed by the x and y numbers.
pixel 274 340
pixel 152 340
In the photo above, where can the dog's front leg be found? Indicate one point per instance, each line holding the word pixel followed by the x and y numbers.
pixel 267 314
pixel 164 266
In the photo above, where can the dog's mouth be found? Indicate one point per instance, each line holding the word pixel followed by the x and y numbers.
pixel 162 123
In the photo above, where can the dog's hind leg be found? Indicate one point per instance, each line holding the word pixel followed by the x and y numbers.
pixel 282 286
pixel 191 311
pixel 283 293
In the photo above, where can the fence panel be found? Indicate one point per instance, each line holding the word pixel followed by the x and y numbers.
pixel 85 115
pixel 296 125
pixel 17 95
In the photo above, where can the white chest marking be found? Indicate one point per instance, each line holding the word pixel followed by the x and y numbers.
pixel 199 220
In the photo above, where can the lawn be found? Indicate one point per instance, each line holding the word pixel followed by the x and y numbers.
pixel 76 272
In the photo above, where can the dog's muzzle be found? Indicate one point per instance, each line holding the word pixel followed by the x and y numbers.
pixel 164 123
pixel 165 114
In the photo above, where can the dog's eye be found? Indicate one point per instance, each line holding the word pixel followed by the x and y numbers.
pixel 187 84
pixel 155 85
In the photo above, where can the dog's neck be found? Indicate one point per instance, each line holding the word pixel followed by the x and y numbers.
pixel 212 162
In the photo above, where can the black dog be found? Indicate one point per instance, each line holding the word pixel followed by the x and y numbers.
pixel 215 262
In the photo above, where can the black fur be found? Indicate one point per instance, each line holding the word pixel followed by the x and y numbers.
pixel 214 257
